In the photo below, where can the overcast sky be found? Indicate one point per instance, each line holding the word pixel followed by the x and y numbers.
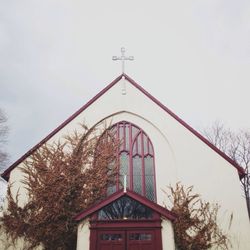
pixel 193 56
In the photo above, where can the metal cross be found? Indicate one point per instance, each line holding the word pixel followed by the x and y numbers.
pixel 123 58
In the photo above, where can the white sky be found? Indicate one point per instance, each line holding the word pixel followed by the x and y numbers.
pixel 193 56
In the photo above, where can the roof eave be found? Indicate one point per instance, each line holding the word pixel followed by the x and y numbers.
pixel 5 175
pixel 241 171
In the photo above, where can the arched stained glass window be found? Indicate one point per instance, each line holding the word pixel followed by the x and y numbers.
pixel 136 160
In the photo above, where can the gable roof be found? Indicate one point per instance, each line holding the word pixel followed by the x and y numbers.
pixel 117 195
pixel 6 173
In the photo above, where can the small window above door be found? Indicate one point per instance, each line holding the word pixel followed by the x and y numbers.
pixel 125 208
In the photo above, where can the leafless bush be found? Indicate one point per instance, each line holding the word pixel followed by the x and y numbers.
pixel 62 179
pixel 196 226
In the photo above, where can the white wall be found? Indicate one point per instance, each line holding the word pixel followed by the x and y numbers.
pixel 167 235
pixel 179 155
pixel 83 234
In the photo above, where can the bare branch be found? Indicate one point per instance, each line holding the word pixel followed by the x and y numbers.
pixel 62 179
pixel 196 225
pixel 237 147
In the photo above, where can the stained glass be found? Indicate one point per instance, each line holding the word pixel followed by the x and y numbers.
pixel 145 144
pixel 137 174
pixel 125 208
pixel 127 137
pixel 111 237
pixel 150 187
pixel 135 131
pixel 124 168
pixel 149 177
pixel 139 144
pixel 149 165
pixel 111 190
pixel 124 163
pixel 136 160
pixel 140 236
pixel 150 149
pixel 135 148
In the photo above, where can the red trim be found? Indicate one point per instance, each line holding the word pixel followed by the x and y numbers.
pixel 196 133
pixel 125 223
pixel 124 229
pixel 93 239
pixel 130 158
pixel 6 173
pixel 99 206
pixel 143 166
pixel 154 171
pixel 157 208
pixel 118 157
pixel 131 140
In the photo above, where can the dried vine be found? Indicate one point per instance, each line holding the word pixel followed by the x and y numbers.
pixel 196 226
pixel 62 179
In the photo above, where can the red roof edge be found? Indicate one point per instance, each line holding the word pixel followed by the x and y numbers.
pixel 5 175
pixel 241 171
pixel 154 206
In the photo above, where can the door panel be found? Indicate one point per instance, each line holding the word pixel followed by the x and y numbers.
pixel 111 240
pixel 140 240
pixel 111 247
pixel 126 240
pixel 141 247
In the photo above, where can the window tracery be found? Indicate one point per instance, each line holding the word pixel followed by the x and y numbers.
pixel 136 160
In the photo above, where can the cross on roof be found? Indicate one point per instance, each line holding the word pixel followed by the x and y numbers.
pixel 123 58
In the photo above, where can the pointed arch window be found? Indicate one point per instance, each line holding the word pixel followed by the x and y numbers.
pixel 136 160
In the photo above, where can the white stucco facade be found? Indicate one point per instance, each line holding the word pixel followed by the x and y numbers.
pixel 167 235
pixel 179 156
pixel 83 235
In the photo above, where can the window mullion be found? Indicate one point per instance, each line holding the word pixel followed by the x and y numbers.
pixel 143 166
pixel 118 156
pixel 138 162
pixel 131 187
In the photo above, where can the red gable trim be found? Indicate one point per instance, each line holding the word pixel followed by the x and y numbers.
pixel 227 158
pixel 6 173
pixel 161 210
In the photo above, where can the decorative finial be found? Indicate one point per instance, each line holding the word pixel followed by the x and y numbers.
pixel 123 58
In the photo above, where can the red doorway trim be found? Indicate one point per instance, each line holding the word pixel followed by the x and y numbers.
pixel 126 226
pixel 155 207
pixel 94 233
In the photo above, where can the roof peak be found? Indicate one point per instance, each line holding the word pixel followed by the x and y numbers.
pixel 6 173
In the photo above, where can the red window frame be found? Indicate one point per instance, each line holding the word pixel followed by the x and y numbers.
pixel 135 145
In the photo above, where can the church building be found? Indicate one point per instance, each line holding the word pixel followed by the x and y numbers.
pixel 158 149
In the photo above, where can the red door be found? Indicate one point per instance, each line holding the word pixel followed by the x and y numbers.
pixel 111 240
pixel 141 240
pixel 127 240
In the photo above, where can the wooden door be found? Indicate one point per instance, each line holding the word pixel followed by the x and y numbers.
pixel 141 240
pixel 127 240
pixel 111 240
